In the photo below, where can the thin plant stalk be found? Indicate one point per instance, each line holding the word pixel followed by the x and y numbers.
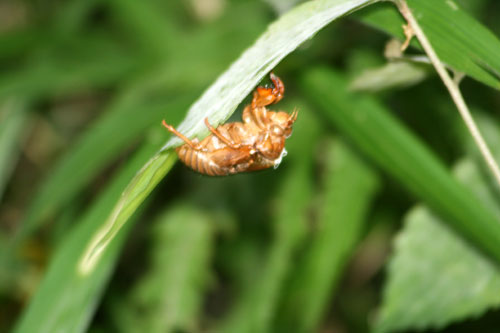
pixel 452 86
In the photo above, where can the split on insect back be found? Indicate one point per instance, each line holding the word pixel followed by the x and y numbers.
pixel 256 143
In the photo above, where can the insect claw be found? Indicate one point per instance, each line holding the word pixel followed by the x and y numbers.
pixel 266 95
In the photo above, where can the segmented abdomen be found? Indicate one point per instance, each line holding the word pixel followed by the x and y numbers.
pixel 199 161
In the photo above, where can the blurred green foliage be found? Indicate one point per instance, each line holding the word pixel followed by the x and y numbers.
pixel 84 87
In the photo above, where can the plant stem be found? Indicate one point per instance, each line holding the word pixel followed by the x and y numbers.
pixel 452 87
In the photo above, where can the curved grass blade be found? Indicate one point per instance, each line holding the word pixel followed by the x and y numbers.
pixel 401 155
pixel 349 188
pixel 221 99
pixel 118 128
pixel 133 109
pixel 136 192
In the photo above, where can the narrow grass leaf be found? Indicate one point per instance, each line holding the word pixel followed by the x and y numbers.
pixel 131 112
pixel 393 148
pixel 349 187
pixel 134 194
pixel 118 128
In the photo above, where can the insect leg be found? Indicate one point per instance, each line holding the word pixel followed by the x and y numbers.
pixel 220 136
pixel 279 88
pixel 172 130
pixel 265 96
pixel 228 158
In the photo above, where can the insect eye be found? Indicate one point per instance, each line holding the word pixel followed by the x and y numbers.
pixel 276 130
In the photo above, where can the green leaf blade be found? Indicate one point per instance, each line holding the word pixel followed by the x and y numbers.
pixel 433 282
pixel 89 155
pixel 349 188
pixel 136 192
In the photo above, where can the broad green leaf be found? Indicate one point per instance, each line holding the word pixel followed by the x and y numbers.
pixel 220 100
pixel 394 149
pixel 459 40
pixel 349 187
pixel 72 296
pixel 435 277
pixel 257 304
pixel 170 296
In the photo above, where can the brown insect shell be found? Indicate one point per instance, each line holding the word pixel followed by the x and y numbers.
pixel 259 141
